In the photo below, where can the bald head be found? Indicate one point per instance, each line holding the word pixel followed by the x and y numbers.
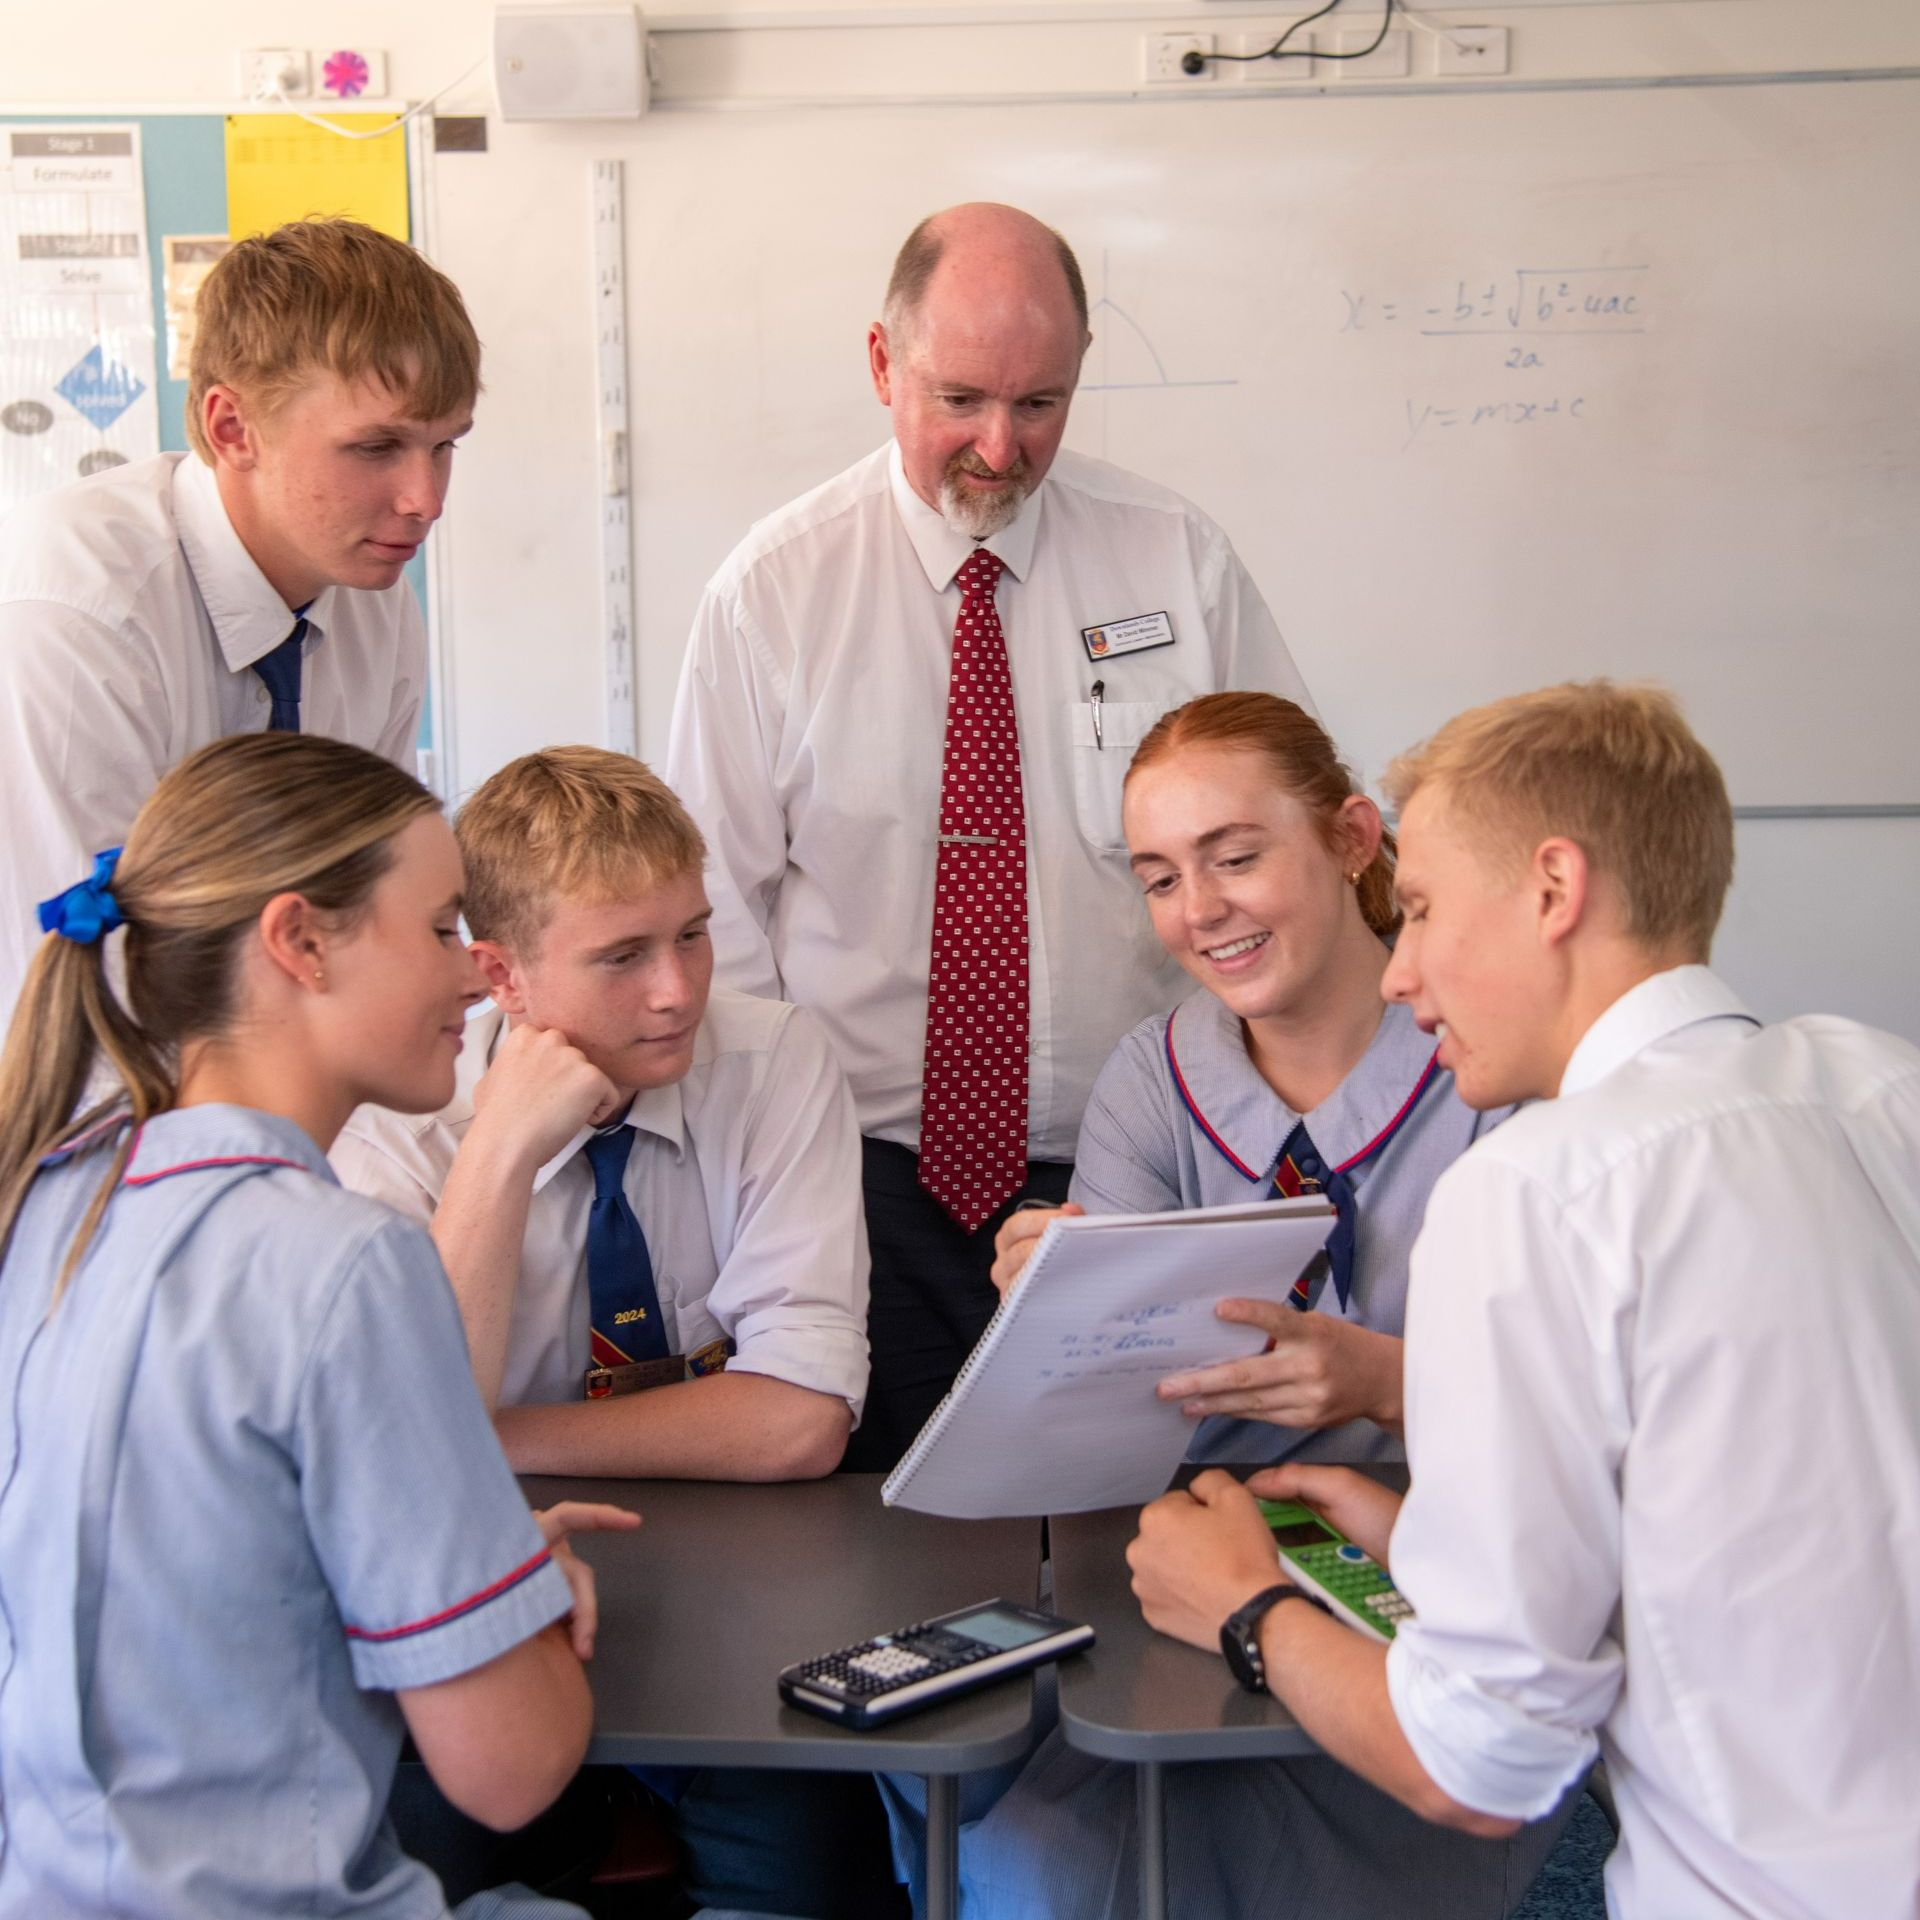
pixel 984 255
pixel 977 357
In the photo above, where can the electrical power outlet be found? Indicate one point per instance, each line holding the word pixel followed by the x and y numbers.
pixel 262 73
pixel 1470 50
pixel 1162 54
pixel 1392 60
pixel 351 73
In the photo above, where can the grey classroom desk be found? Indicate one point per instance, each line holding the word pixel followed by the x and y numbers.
pixel 723 1585
pixel 1138 1696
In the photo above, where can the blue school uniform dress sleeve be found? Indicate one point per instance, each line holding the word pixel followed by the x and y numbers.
pixel 246 1487
pixel 1127 1160
pixel 390 1426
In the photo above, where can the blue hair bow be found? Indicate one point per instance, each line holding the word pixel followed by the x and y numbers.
pixel 88 912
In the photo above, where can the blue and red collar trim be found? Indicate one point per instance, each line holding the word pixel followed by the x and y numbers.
pixel 1373 1146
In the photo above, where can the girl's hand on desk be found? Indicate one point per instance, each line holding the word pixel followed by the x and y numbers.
pixel 1019 1234
pixel 580 1516
pixel 1316 1372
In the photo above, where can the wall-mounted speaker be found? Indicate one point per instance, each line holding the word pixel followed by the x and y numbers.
pixel 569 62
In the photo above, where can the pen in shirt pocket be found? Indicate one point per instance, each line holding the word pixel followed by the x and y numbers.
pixel 1097 699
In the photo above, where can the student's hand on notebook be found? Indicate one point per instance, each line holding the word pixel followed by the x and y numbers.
pixel 1317 1372
pixel 1019 1234
pixel 1200 1555
pixel 580 1516
pixel 1358 1505
pixel 539 1092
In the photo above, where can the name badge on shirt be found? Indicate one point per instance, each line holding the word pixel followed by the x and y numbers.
pixel 1133 635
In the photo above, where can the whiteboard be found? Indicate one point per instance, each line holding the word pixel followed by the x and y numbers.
pixel 1488 390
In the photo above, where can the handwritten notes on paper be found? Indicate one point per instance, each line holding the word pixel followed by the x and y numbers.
pixel 1056 1411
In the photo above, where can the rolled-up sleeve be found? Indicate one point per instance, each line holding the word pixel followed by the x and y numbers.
pixel 434 1560
pixel 1508 1545
pixel 792 1290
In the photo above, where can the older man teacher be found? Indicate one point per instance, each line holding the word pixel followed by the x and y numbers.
pixel 908 704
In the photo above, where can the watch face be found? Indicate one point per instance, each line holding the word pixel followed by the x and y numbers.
pixel 1242 1663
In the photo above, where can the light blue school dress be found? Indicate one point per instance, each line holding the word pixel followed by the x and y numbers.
pixel 1181 1117
pixel 247 1489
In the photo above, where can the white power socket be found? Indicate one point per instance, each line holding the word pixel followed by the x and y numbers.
pixel 1470 50
pixel 1162 53
pixel 260 71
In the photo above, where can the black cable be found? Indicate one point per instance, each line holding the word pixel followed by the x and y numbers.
pixel 1194 61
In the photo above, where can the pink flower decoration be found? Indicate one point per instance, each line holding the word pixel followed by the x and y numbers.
pixel 344 74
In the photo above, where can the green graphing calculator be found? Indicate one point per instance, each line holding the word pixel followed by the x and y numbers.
pixel 1327 1563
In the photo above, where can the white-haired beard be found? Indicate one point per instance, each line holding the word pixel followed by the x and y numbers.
pixel 981 515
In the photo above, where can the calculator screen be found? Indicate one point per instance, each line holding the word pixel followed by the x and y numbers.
pixel 998 1629
pixel 1301 1533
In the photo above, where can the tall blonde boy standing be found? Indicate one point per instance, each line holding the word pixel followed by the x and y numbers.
pixel 646 1191
pixel 249 585
pixel 1663 1364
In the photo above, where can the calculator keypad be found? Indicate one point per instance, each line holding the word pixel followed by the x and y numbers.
pixel 896 1660
pixel 1357 1581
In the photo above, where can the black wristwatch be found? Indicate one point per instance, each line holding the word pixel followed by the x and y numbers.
pixel 1240 1637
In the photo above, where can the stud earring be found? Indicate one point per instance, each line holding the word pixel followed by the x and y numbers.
pixel 319 976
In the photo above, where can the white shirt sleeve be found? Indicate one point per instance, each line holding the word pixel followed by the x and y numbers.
pixel 720 748
pixel 1508 1545
pixel 1246 641
pixel 82 745
pixel 792 1290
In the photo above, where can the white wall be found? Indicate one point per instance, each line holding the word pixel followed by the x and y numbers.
pixel 1824 913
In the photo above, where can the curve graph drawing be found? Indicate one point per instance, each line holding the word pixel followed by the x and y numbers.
pixel 1129 361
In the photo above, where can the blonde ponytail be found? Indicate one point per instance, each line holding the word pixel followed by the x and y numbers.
pixel 229 828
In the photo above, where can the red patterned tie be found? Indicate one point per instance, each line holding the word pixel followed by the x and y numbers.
pixel 973 1114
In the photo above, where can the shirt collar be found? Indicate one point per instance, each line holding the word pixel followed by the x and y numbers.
pixel 942 551
pixel 1250 1123
pixel 1658 1006
pixel 249 617
pixel 656 1110
pixel 186 1139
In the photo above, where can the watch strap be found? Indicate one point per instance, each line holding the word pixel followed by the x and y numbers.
pixel 1240 1636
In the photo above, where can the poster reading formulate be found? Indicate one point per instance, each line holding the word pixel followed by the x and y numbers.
pixel 76 307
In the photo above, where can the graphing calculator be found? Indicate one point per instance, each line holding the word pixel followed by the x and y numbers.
pixel 1325 1562
pixel 875 1681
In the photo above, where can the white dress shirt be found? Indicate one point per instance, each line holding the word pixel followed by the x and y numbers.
pixel 807 742
pixel 1663 1414
pixel 744 1176
pixel 130 619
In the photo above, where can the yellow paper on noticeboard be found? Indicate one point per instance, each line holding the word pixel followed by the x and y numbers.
pixel 279 169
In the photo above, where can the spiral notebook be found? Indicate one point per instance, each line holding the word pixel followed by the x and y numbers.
pixel 1055 1410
